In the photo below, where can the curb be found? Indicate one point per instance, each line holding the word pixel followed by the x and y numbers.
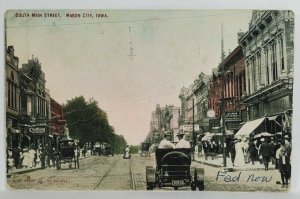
pixel 230 169
pixel 208 164
pixel 24 171
pixel 8 175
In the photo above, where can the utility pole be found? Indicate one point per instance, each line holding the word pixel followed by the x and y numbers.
pixel 223 120
pixel 222 98
pixel 193 134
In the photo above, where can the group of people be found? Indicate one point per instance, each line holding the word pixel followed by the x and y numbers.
pixel 244 151
pixel 166 143
pixel 30 157
pixel 24 158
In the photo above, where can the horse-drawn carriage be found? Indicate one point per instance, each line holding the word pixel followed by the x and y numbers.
pixel 67 152
pixel 145 149
pixel 173 169
pixel 108 150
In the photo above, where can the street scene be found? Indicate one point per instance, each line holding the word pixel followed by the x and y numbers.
pixel 149 100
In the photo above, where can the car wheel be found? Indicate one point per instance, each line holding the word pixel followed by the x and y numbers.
pixel 193 187
pixel 201 186
pixel 150 186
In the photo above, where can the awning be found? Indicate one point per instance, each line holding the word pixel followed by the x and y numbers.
pixel 207 137
pixel 249 127
pixel 273 117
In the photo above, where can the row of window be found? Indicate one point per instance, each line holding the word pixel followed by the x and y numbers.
pixel 263 67
pixel 235 86
pixel 12 95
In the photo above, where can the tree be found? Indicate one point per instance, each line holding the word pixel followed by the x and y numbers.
pixel 88 123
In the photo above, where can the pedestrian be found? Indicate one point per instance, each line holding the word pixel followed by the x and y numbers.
pixel 232 150
pixel 200 154
pixel 239 154
pixel 265 151
pixel 284 165
pixel 205 149
pixel 252 151
pixel 246 150
pixel 16 157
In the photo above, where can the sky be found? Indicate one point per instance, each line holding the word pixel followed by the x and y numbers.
pixel 89 56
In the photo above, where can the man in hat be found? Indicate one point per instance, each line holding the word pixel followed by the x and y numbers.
pixel 265 150
pixel 182 142
pixel 165 143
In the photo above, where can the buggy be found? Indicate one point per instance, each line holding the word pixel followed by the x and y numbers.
pixel 173 169
pixel 145 149
pixel 108 150
pixel 67 152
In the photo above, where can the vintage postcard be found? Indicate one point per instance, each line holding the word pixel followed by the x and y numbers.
pixel 162 100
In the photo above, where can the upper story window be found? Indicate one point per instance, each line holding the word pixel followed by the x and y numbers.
pixel 274 61
pixel 281 53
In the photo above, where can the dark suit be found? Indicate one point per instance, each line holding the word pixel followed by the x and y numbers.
pixel 266 151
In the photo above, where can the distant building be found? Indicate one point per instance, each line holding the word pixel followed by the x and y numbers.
pixel 164 120
pixel 196 93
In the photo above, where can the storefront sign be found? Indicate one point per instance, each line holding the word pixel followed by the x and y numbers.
pixel 233 125
pixel 232 117
pixel 189 127
pixel 37 130
pixel 214 122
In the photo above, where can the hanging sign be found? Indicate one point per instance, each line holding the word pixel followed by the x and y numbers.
pixel 37 130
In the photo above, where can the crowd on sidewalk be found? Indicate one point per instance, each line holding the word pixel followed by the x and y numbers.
pixel 245 152
pixel 34 157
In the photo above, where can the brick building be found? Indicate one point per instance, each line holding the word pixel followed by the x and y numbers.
pixel 57 121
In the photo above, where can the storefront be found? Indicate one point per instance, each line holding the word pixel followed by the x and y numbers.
pixel 34 136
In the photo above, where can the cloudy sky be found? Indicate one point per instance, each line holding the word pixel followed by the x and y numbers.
pixel 89 56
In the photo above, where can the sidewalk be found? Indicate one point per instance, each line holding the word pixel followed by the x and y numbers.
pixel 218 162
pixel 13 171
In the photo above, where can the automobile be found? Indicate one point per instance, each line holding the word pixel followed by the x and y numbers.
pixel 67 152
pixel 145 152
pixel 173 169
pixel 108 150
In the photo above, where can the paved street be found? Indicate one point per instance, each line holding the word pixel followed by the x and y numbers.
pixel 116 173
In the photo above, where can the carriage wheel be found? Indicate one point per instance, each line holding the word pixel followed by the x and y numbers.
pixel 57 162
pixel 193 187
pixel 77 162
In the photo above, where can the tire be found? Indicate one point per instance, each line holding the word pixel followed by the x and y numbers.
pixel 201 185
pixel 175 188
pixel 193 187
pixel 57 162
pixel 77 163
pixel 150 186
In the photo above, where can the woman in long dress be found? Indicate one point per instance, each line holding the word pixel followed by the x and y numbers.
pixel 239 160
